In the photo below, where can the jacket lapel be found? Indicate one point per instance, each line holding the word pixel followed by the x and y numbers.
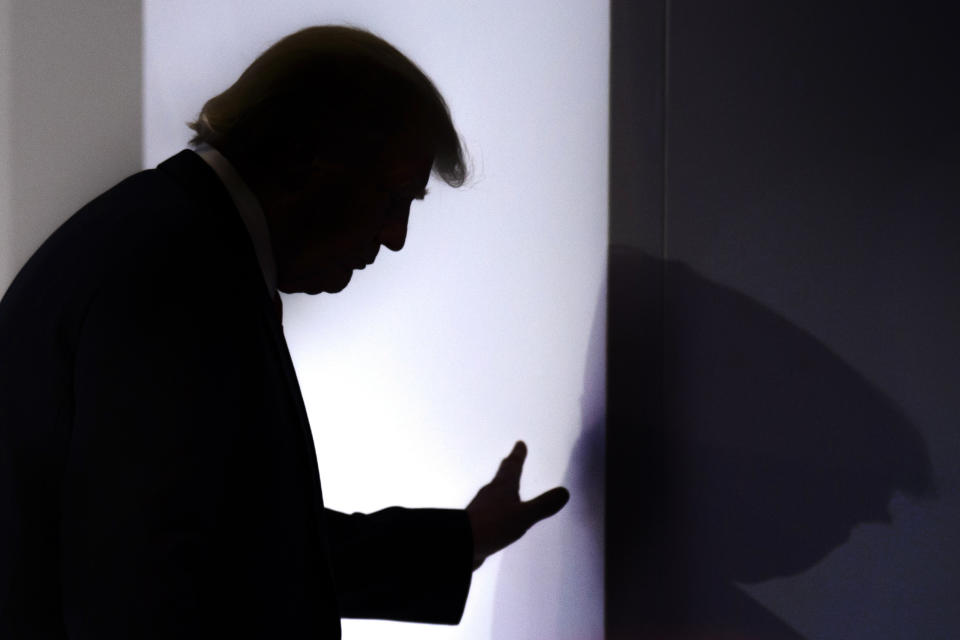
pixel 197 178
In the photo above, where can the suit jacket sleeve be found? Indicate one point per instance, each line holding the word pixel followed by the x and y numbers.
pixel 402 564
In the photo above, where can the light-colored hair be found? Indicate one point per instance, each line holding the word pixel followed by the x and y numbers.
pixel 336 91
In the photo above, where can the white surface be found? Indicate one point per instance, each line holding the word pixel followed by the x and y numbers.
pixel 69 114
pixel 6 84
pixel 419 377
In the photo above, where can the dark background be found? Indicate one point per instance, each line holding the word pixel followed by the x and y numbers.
pixel 783 344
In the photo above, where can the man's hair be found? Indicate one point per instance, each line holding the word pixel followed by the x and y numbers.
pixel 337 92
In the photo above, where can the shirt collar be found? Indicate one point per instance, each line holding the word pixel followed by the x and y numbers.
pixel 250 210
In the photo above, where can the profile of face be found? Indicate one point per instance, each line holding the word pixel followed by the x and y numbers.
pixel 338 219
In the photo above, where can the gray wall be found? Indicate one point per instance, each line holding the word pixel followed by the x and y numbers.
pixel 70 113
pixel 784 352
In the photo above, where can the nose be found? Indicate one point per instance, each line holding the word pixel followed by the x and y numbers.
pixel 393 235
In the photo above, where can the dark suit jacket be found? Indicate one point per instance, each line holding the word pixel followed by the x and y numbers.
pixel 157 472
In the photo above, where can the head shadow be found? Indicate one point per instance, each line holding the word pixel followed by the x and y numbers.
pixel 741 449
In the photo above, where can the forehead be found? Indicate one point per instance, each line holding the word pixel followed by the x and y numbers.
pixel 407 168
pixel 407 157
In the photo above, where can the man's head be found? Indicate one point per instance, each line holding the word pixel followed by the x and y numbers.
pixel 336 132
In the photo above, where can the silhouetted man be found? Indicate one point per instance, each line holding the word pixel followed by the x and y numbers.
pixel 157 471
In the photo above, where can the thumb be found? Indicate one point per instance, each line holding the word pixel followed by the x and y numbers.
pixel 546 504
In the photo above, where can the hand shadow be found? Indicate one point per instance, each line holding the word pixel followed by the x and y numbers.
pixel 550 584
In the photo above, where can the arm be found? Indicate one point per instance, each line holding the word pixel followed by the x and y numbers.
pixel 402 564
pixel 415 564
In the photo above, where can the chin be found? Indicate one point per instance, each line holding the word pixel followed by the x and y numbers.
pixel 331 289
pixel 330 283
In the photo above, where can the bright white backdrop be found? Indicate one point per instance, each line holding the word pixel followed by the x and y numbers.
pixel 488 326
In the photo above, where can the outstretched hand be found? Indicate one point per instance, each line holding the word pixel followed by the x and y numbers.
pixel 497 515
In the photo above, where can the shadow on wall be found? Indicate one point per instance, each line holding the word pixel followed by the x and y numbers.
pixel 751 456
pixel 552 586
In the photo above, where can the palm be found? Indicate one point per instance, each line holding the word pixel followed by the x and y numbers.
pixel 499 517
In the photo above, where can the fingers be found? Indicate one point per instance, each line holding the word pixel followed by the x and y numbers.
pixel 546 504
pixel 512 465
